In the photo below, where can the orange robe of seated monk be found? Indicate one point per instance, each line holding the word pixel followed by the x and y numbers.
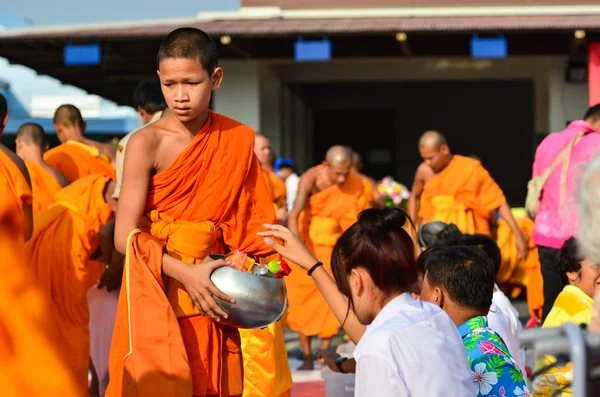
pixel 213 196
pixel 44 186
pixel 64 239
pixel 463 193
pixel 325 217
pixel 75 160
pixel 30 365
pixel 14 185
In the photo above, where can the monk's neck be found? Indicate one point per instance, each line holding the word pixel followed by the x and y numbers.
pixel 266 168
pixel 37 158
pixel 196 125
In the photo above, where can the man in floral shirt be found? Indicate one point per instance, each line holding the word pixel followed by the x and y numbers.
pixel 460 280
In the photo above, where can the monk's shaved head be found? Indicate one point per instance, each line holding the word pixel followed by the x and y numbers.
pixel 338 155
pixel 262 149
pixel 189 43
pixel 68 115
pixel 432 138
pixel 32 134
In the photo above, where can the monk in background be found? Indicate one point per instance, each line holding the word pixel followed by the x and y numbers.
pixel 462 192
pixel 370 184
pixel 330 197
pixel 78 156
pixel 275 185
pixel 45 181
pixel 62 253
pixel 192 186
pixel 14 178
pixel 423 174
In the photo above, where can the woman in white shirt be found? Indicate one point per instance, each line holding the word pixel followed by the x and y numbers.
pixel 409 347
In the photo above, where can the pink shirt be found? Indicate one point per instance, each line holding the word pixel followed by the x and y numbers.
pixel 555 225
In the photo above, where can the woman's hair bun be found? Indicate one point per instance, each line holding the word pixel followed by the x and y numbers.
pixel 382 221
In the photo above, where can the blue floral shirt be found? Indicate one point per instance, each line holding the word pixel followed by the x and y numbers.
pixel 495 373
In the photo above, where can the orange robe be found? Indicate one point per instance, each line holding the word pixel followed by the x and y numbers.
pixel 278 192
pixel 44 186
pixel 14 185
pixel 213 196
pixel 463 193
pixel 30 365
pixel 325 217
pixel 515 273
pixel 64 239
pixel 75 160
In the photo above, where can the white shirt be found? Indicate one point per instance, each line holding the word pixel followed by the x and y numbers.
pixel 412 348
pixel 291 187
pixel 504 319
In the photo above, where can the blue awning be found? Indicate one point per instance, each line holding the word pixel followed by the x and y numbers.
pixel 120 126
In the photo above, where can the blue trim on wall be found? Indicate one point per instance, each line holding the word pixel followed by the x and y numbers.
pixel 94 126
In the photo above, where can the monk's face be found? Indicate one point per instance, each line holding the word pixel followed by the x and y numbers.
pixel 338 172
pixel 262 149
pixel 187 87
pixel 435 157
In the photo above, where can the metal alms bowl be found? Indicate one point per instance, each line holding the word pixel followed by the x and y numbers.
pixel 259 301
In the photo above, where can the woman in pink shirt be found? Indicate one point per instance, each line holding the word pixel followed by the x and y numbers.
pixel 555 224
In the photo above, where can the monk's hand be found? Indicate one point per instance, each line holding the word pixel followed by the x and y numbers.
pixel 522 246
pixel 293 249
pixel 327 357
pixel 197 282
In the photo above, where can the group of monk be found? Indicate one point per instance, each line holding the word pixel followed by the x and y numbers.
pixel 141 216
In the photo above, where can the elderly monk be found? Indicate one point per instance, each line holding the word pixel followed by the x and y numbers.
pixel 462 192
pixel 275 185
pixel 30 365
pixel 330 197
pixel 45 180
pixel 62 256
pixel 14 178
pixel 192 186
pixel 370 184
pixel 78 156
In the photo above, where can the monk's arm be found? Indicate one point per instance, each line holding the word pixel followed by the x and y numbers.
pixel 506 214
pixel 27 208
pixel 305 186
pixel 414 201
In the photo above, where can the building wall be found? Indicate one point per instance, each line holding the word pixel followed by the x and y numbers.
pixel 239 94
pixel 567 101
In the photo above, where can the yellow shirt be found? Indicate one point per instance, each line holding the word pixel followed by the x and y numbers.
pixel 572 305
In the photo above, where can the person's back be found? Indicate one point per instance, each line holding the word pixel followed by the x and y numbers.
pixel 388 349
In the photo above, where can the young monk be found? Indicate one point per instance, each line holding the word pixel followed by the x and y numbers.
pixel 192 186
pixel 45 180
pixel 330 197
pixel 14 178
pixel 275 185
pixel 61 254
pixel 78 156
pixel 462 192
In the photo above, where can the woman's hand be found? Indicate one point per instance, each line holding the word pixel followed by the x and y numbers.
pixel 293 250
pixel 197 282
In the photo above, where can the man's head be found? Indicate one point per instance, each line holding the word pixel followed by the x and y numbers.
pixel 148 99
pixel 68 122
pixel 589 216
pixel 31 142
pixel 188 69
pixel 338 162
pixel 3 113
pixel 437 232
pixel 262 149
pixel 592 117
pixel 459 279
pixel 434 150
pixel 357 163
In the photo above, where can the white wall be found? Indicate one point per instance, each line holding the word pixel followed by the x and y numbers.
pixel 239 94
pixel 271 104
pixel 568 101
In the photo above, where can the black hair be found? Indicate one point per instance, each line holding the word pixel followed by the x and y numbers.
pixel 437 233
pixel 568 260
pixel 465 273
pixel 3 107
pixel 189 43
pixel 149 96
pixel 593 113
pixel 487 245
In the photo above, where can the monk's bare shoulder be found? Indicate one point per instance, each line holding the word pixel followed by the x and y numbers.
pixel 424 173
pixel 18 162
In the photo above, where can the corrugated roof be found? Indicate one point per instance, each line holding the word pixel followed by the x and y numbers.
pixel 281 27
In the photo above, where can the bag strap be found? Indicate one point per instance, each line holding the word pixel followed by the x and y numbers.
pixel 563 176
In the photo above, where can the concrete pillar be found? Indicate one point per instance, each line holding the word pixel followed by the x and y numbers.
pixel 567 101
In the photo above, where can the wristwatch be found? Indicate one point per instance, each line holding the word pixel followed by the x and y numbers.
pixel 338 362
